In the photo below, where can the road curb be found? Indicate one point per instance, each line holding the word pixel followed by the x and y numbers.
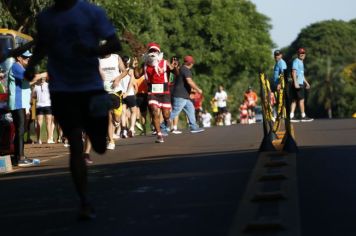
pixel 270 203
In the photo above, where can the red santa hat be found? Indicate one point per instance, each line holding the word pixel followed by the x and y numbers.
pixel 154 46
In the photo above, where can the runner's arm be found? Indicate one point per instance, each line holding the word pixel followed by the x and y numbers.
pixel 123 70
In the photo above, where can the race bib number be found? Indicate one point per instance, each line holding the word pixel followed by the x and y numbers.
pixel 157 88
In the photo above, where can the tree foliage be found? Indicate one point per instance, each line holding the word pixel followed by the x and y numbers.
pixel 331 47
pixel 228 39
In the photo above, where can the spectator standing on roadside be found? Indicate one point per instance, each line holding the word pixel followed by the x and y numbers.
pixel 43 109
pixel 279 67
pixel 19 91
pixel 69 33
pixel 298 88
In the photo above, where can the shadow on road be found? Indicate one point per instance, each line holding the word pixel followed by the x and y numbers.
pixel 167 195
pixel 327 190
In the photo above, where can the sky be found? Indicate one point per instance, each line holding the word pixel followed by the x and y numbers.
pixel 289 17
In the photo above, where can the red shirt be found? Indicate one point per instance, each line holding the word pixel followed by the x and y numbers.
pixel 158 76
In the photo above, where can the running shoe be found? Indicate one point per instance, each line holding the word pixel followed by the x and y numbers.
pixel 50 141
pixel 294 120
pixel 306 119
pixel 159 139
pixel 196 130
pixel 110 146
pixel 139 126
pixel 25 162
pixel 175 131
pixel 124 134
pixel 87 158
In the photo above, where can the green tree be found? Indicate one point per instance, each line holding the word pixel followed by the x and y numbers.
pixel 330 46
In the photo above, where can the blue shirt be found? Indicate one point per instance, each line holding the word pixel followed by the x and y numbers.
pixel 19 88
pixel 84 24
pixel 279 67
pixel 298 65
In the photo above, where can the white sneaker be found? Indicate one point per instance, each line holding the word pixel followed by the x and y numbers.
pixel 139 126
pixel 124 134
pixel 50 141
pixel 110 146
pixel 175 131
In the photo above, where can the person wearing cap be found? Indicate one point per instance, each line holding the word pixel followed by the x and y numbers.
pixel 19 91
pixel 69 34
pixel 181 94
pixel 299 85
pixel 279 68
pixel 156 71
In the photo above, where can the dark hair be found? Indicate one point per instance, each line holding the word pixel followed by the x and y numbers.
pixel 125 58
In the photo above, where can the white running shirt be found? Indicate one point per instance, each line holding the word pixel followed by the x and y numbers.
pixel 221 98
pixel 110 68
pixel 42 95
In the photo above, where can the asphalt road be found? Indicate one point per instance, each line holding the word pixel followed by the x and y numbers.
pixel 190 185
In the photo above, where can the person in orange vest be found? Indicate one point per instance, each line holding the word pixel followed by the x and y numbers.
pixel 251 97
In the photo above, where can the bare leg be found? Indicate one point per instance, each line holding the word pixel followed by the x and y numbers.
pixel 166 113
pixel 133 120
pixel 49 125
pixel 156 118
pixel 301 106
pixel 39 128
pixel 111 128
pixel 292 107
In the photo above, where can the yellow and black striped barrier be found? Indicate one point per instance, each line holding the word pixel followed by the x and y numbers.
pixel 270 203
pixel 274 133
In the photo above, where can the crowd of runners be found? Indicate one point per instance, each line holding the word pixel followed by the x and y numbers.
pixel 145 98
